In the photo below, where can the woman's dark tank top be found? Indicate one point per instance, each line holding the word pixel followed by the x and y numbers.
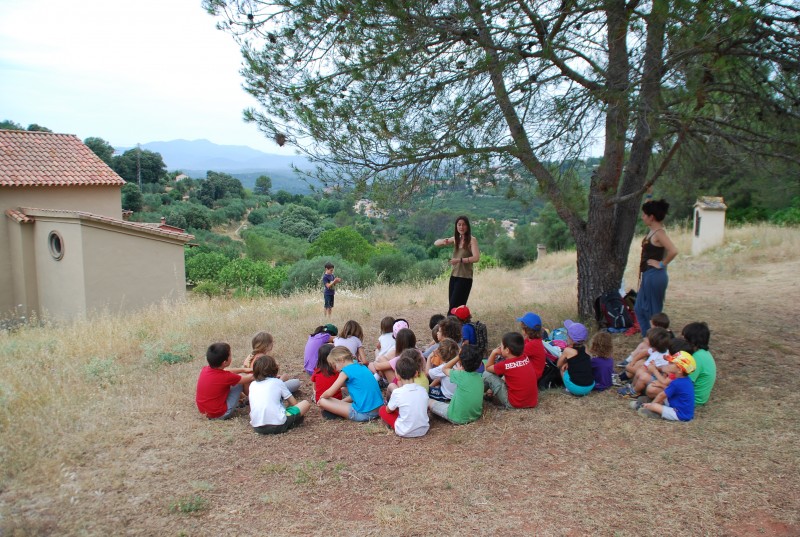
pixel 650 251
pixel 580 367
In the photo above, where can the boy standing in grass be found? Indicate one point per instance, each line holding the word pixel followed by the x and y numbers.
pixel 518 386
pixel 218 389
pixel 329 282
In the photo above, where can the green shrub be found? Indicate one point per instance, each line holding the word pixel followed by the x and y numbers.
pixel 205 267
pixel 189 504
pixel 209 289
pixel 102 371
pixel 246 273
pixel 391 267
pixel 487 262
pixel 426 270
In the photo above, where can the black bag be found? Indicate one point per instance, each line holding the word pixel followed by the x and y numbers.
pixel 551 376
pixel 481 337
pixel 611 311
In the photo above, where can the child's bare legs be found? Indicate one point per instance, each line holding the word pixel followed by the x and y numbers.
pixel 304 407
pixel 641 380
pixel 653 389
pixel 383 368
pixel 390 388
pixel 335 406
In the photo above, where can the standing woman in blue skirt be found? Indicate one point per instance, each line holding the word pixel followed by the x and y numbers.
pixel 657 252
pixel 465 254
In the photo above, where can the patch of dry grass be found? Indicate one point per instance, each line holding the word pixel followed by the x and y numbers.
pixel 99 435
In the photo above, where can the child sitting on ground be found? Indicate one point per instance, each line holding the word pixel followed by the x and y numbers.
pixel 262 343
pixel 517 388
pixel 433 324
pixel 463 314
pixel 466 404
pixel 676 402
pixel 601 349
pixel 218 389
pixel 705 373
pixel 442 388
pixel 407 410
pixel 319 337
pixel 574 362
pixel 325 374
pixel 531 325
pixel 640 352
pixel 351 337
pixel 386 339
pixel 660 379
pixel 404 339
pixel 267 393
pixel 364 391
pixel 642 376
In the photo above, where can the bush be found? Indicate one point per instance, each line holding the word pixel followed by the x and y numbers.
pixel 391 267
pixel 258 216
pixel 486 262
pixel 344 242
pixel 205 267
pixel 426 270
pixel 209 289
pixel 246 273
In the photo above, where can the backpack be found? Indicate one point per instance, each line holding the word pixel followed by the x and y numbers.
pixel 559 334
pixel 611 311
pixel 551 376
pixel 481 336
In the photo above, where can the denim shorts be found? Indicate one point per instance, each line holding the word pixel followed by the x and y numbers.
pixel 328 301
pixel 355 415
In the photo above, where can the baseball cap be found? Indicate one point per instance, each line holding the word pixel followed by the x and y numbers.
pixel 462 312
pixel 684 361
pixel 576 331
pixel 531 320
pixel 331 329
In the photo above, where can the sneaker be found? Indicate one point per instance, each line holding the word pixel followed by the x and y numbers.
pixel 382 384
pixel 615 380
pixel 623 377
pixel 624 362
pixel 648 413
pixel 627 392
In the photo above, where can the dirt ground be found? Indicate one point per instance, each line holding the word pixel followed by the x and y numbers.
pixel 569 467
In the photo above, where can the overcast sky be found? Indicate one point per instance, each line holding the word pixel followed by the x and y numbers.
pixel 128 71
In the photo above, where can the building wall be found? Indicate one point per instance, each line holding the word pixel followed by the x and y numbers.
pixel 711 230
pixel 125 271
pixel 61 283
pixel 100 200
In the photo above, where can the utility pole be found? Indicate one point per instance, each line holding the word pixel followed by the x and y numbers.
pixel 139 165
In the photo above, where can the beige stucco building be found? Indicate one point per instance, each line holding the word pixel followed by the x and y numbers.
pixel 64 249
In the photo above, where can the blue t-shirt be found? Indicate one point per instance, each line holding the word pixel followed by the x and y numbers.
pixel 680 395
pixel 468 333
pixel 363 388
pixel 326 279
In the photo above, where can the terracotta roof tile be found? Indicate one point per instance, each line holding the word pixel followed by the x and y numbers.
pixel 18 216
pixel 48 159
pixel 140 226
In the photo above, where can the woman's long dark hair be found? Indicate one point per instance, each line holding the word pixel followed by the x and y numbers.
pixel 467 236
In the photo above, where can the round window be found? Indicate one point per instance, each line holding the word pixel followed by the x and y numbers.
pixel 56 245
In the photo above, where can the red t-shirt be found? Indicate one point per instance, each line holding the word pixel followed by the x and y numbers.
pixel 535 351
pixel 213 386
pixel 322 383
pixel 523 391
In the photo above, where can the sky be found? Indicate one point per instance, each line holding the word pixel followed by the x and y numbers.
pixel 127 71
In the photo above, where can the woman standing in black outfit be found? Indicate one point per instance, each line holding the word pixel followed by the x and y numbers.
pixel 465 253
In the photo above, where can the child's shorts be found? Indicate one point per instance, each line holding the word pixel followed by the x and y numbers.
pixel 574 389
pixel 355 415
pixel 668 413
pixel 328 301
pixel 293 419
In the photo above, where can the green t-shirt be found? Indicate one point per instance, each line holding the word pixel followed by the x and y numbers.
pixel 703 376
pixel 467 402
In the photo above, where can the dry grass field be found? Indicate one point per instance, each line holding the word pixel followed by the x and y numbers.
pixel 99 434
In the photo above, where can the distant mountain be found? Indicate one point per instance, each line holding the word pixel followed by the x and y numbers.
pixel 196 157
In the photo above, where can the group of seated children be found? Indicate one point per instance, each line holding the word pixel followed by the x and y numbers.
pixel 451 378
pixel 669 376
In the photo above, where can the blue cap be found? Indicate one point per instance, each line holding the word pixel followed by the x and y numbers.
pixel 531 320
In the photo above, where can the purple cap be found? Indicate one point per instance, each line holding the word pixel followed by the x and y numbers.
pixel 576 331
